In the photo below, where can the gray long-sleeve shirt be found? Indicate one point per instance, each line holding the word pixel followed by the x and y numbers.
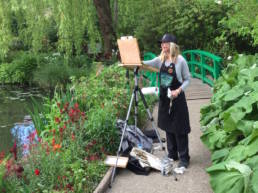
pixel 182 70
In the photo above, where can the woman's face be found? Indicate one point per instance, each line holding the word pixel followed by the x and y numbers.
pixel 165 47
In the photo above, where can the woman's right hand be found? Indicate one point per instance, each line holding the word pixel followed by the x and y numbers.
pixel 174 93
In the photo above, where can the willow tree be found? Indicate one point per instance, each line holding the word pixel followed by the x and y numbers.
pixel 5 27
pixel 75 21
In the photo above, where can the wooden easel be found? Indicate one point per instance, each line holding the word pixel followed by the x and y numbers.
pixel 130 54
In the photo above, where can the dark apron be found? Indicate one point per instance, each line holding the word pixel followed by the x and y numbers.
pixel 175 119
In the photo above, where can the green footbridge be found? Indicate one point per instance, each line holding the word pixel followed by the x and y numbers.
pixel 203 65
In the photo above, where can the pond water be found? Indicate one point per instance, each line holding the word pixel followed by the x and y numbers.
pixel 15 104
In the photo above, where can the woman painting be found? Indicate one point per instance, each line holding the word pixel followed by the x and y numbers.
pixel 173 115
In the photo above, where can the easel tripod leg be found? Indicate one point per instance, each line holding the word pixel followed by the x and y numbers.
pixel 135 108
pixel 151 119
pixel 122 137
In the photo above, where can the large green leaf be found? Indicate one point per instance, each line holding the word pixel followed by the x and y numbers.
pixel 219 155
pixel 245 126
pixel 244 170
pixel 214 139
pixel 254 134
pixel 253 163
pixel 254 180
pixel 233 94
pixel 237 153
pixel 230 177
pixel 252 148
pixel 231 119
pixel 234 183
pixel 208 113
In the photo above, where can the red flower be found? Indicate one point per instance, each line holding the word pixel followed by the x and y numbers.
pixel 37 172
pixel 56 147
pixel 93 157
pixel 94 142
pixel 14 150
pixel 73 137
pixel 19 169
pixel 53 141
pixel 57 120
pixel 76 105
pixel 69 187
pixel 102 149
pixel 2 154
pixel 66 106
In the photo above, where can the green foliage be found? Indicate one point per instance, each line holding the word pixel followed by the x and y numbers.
pixel 106 87
pixel 195 19
pixel 19 70
pixel 230 127
pixel 5 23
pixel 7 75
pixel 52 74
pixel 44 70
pixel 241 20
pixel 221 28
pixel 36 112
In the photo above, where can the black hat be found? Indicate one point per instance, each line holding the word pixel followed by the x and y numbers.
pixel 168 38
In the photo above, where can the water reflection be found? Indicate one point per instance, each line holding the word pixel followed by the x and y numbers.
pixel 24 134
pixel 14 105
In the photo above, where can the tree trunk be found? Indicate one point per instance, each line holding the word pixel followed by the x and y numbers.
pixel 106 25
pixel 115 14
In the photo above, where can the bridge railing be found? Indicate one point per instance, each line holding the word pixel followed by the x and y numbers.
pixel 151 77
pixel 203 65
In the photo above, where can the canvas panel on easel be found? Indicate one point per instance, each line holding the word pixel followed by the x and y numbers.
pixel 129 52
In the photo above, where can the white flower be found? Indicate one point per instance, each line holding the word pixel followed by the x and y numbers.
pixel 218 2
pixel 253 66
pixel 56 54
pixel 229 57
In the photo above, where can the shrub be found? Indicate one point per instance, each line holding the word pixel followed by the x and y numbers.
pixel 230 127
pixel 55 70
pixel 19 70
